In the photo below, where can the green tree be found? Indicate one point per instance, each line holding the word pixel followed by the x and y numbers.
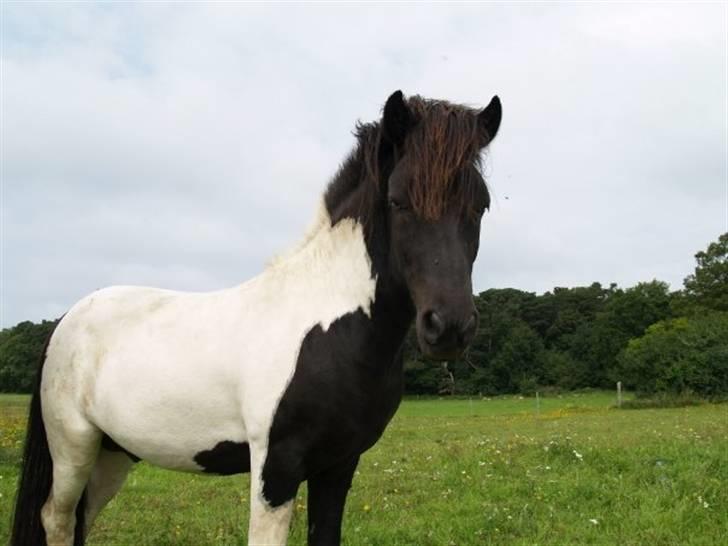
pixel 499 309
pixel 424 377
pixel 21 349
pixel 571 308
pixel 518 365
pixel 563 371
pixel 679 355
pixel 707 287
pixel 626 314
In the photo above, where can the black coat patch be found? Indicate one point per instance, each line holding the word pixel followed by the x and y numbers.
pixel 225 458
pixel 108 443
pixel 346 387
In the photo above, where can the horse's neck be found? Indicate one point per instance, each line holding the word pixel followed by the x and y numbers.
pixel 331 271
pixel 325 252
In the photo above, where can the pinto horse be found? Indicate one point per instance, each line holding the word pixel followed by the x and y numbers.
pixel 291 375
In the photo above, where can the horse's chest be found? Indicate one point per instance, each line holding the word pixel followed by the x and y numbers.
pixel 336 406
pixel 343 393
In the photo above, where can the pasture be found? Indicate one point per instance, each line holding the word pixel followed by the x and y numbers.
pixel 460 472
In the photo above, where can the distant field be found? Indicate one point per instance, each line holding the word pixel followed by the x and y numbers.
pixel 460 472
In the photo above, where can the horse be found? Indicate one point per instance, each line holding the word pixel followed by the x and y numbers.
pixel 289 376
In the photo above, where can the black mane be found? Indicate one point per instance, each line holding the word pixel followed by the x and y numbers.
pixel 444 144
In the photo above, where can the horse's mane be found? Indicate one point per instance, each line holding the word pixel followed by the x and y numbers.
pixel 443 148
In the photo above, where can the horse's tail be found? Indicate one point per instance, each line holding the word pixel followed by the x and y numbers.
pixel 36 478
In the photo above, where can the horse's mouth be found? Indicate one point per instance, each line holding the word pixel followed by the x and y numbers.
pixel 441 353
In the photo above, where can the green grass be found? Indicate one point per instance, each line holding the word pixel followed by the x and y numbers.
pixel 464 472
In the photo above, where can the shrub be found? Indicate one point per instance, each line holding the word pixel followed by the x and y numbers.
pixel 678 356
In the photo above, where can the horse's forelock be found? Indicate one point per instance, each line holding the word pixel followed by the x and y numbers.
pixel 444 142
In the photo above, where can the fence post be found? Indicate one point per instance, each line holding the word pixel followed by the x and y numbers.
pixel 619 394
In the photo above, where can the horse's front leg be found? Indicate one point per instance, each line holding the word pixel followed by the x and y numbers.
pixel 326 498
pixel 272 492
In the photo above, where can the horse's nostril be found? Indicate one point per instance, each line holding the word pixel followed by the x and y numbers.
pixel 468 330
pixel 434 326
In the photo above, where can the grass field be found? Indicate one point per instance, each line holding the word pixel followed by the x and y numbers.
pixel 459 472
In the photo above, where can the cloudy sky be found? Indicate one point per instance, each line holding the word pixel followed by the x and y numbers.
pixel 182 145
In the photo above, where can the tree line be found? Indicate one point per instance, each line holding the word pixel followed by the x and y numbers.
pixel 651 339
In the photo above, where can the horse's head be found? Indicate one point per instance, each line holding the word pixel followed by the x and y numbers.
pixel 436 198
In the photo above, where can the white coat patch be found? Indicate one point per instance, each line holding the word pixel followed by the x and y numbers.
pixel 169 374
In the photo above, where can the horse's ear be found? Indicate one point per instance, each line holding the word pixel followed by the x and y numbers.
pixel 397 119
pixel 489 120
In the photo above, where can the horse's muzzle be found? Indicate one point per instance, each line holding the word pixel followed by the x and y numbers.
pixel 445 338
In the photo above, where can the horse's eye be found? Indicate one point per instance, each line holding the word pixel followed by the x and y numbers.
pixel 396 205
pixel 480 209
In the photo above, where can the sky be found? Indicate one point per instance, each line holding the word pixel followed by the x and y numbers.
pixel 184 145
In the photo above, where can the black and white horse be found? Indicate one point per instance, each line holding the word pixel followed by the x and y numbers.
pixel 289 376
